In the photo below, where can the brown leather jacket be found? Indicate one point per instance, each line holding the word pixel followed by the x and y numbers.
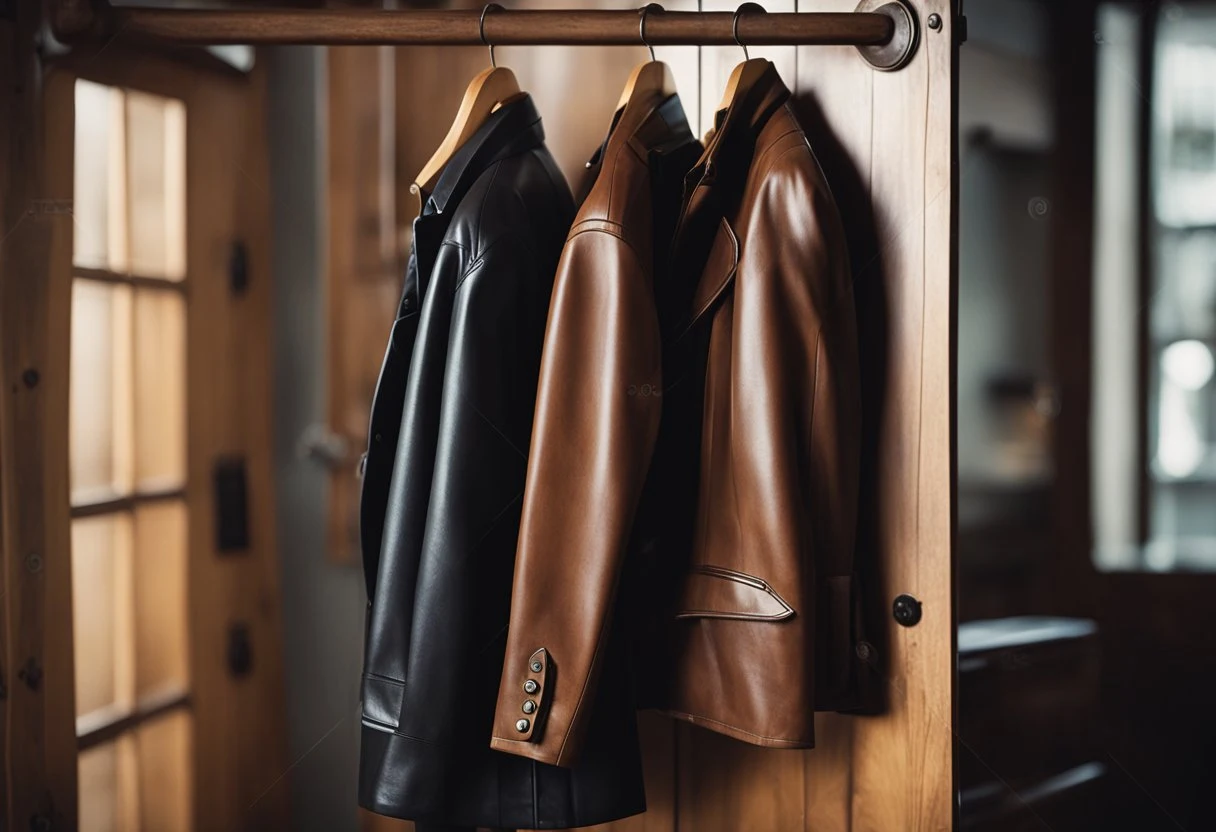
pixel 597 415
pixel 766 626
pixel 738 580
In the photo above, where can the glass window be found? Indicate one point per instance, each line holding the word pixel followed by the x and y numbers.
pixel 128 461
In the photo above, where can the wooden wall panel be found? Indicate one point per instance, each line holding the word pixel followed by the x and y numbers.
pixel 240 743
pixel 902 760
pixel 726 785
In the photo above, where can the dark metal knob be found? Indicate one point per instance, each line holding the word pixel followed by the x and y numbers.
pixel 907 610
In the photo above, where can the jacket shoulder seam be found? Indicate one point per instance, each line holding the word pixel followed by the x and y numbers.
pixel 607 232
pixel 771 157
pixel 476 263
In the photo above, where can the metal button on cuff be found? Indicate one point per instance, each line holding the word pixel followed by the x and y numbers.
pixel 535 689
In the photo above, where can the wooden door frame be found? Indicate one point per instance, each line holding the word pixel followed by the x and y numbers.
pixel 244 734
pixel 38 733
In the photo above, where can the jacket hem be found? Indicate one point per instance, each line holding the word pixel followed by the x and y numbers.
pixel 419 801
pixel 742 734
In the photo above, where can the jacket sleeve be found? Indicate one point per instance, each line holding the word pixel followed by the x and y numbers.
pixel 597 416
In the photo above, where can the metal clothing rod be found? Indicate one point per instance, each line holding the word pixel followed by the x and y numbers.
pixel 502 28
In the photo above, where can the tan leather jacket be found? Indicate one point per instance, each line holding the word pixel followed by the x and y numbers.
pixel 597 415
pixel 738 579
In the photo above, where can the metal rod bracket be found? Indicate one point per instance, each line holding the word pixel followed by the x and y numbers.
pixel 898 51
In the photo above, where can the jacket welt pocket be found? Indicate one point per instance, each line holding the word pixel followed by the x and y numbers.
pixel 716 592
pixel 382 698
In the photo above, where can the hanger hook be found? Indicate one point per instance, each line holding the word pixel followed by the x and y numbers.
pixel 645 10
pixel 481 30
pixel 734 24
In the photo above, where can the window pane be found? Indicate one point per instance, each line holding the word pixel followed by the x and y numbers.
pixel 140 781
pixel 160 598
pixel 156 160
pixel 100 395
pixel 1181 417
pixel 160 389
pixel 101 609
pixel 165 772
pixel 99 201
pixel 108 787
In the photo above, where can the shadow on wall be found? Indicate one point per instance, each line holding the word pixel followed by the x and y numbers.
pixel 852 196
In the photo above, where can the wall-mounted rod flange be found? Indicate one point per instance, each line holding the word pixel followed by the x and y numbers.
pixel 898 51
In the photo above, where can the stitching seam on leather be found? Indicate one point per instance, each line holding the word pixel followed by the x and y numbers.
pixel 591 667
pixel 640 261
pixel 810 486
pixel 737 616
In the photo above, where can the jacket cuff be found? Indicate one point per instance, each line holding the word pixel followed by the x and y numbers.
pixel 528 721
pixel 523 748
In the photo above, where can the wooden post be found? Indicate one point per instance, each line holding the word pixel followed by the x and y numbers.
pixel 38 786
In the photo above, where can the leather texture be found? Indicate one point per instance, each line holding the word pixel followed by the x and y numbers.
pixel 443 484
pixel 695 458
pixel 598 409
pixel 763 396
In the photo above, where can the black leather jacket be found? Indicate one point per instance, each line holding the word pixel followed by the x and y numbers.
pixel 444 478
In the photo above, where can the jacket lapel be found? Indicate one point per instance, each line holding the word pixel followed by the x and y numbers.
pixel 719 273
pixel 707 249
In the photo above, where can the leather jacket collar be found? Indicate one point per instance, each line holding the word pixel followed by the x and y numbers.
pixel 514 128
pixel 666 120
pixel 729 146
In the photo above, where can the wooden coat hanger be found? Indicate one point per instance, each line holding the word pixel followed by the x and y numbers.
pixel 744 76
pixel 650 78
pixel 489 90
